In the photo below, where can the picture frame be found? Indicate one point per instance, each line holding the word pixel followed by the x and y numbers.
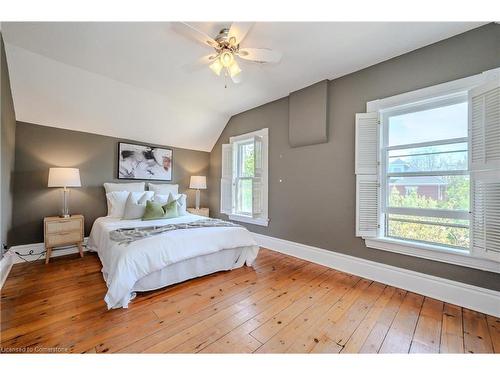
pixel 144 162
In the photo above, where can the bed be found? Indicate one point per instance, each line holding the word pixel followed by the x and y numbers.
pixel 167 258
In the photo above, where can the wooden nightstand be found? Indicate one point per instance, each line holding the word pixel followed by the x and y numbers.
pixel 200 211
pixel 62 231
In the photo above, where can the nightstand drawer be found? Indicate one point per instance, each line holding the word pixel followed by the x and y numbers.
pixel 63 238
pixel 63 226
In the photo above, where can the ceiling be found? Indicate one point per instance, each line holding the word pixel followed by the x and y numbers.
pixel 137 80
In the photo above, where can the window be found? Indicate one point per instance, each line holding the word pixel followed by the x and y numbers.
pixel 425 180
pixel 427 167
pixel 244 178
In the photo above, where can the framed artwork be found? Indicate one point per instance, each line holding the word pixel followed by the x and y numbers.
pixel 138 162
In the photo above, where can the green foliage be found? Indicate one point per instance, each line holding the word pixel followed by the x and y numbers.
pixel 457 193
pixel 458 237
pixel 249 163
pixel 456 198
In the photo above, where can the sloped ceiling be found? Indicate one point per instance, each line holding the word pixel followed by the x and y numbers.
pixel 137 80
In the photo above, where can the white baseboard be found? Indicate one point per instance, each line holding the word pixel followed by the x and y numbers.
pixel 480 299
pixel 6 264
pixel 38 248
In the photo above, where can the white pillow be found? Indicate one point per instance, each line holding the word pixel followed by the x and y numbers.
pixel 181 208
pixel 181 201
pixel 164 189
pixel 116 203
pixel 136 204
pixel 129 187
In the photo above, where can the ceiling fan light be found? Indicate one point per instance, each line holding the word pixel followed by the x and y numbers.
pixel 226 59
pixel 234 69
pixel 216 67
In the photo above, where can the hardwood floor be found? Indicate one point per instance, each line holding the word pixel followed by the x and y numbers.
pixel 283 305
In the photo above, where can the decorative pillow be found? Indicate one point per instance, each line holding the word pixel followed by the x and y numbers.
pixel 116 203
pixel 160 198
pixel 130 187
pixel 155 210
pixel 171 210
pixel 164 189
pixel 180 198
pixel 136 205
pixel 181 207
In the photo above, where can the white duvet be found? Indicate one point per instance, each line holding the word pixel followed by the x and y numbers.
pixel 124 265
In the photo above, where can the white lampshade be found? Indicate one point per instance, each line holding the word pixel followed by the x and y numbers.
pixel 64 177
pixel 198 182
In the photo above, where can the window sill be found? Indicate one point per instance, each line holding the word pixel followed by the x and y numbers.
pixel 432 252
pixel 250 220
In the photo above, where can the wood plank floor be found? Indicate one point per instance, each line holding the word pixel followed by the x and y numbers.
pixel 282 305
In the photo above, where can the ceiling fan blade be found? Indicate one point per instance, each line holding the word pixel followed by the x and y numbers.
pixel 239 31
pixel 193 33
pixel 202 62
pixel 261 55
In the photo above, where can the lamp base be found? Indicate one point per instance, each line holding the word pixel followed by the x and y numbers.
pixel 197 199
pixel 65 206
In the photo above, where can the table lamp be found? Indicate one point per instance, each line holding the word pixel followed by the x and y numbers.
pixel 198 182
pixel 65 178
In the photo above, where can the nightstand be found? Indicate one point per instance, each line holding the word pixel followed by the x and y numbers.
pixel 62 231
pixel 199 211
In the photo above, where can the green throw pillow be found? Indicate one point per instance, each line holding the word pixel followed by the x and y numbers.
pixel 170 210
pixel 156 211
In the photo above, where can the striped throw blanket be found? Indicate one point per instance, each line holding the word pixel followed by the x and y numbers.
pixel 128 235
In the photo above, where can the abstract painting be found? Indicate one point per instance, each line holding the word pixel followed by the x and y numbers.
pixel 138 162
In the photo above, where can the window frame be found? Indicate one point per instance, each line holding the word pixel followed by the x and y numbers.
pixel 263 219
pixel 416 249
pixel 237 160
pixel 385 148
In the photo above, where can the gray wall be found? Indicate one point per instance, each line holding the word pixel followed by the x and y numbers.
pixel 315 203
pixel 8 133
pixel 40 147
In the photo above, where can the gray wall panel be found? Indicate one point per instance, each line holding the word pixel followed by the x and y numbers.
pixel 308 116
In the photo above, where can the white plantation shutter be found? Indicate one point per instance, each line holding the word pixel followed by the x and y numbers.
pixel 367 126
pixel 257 185
pixel 366 169
pixel 226 181
pixel 367 213
pixel 484 159
pixel 484 126
pixel 485 226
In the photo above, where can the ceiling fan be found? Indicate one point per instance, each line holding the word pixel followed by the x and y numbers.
pixel 227 49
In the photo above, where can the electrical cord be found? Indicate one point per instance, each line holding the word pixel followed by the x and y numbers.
pixel 40 254
pixel 31 252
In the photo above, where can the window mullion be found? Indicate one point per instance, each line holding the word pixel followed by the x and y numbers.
pixel 429 173
pixel 427 144
pixel 445 214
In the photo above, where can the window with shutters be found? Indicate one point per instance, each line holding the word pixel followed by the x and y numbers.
pixel 244 178
pixel 427 168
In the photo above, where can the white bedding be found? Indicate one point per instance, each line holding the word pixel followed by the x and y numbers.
pixel 124 265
